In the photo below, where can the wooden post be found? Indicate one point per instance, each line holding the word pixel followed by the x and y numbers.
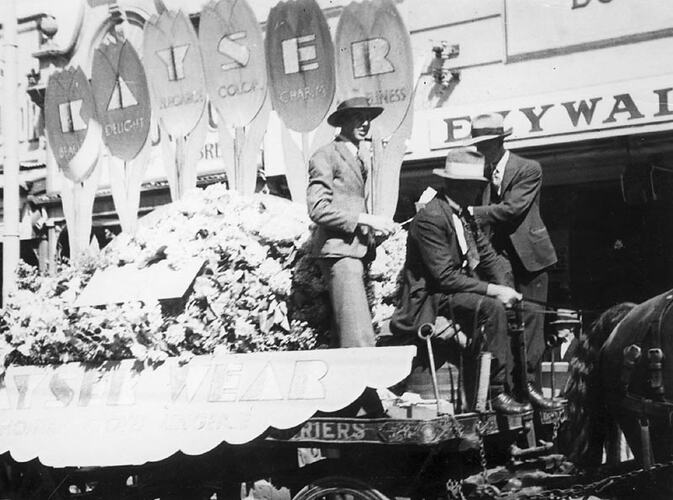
pixel 10 117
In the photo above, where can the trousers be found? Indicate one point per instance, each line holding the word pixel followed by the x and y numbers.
pixel 484 321
pixel 532 285
pixel 351 317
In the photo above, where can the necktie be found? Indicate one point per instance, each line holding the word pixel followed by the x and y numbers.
pixel 488 170
pixel 362 160
pixel 470 228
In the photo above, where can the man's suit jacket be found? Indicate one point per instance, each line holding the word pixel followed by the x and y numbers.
pixel 335 198
pixel 517 215
pixel 434 267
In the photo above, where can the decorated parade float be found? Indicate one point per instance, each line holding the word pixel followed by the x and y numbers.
pixel 193 356
pixel 190 359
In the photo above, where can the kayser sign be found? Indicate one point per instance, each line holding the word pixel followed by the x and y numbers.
pixel 114 414
pixel 621 108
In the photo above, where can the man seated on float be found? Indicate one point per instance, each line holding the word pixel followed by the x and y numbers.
pixel 451 270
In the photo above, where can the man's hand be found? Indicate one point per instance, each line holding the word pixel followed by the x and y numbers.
pixel 504 294
pixel 378 223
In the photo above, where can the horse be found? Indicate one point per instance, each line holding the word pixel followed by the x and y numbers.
pixel 618 380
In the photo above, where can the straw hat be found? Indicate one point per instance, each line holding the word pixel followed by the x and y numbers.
pixel 462 164
pixel 486 127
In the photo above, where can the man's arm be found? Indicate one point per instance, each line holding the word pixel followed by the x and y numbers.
pixel 319 195
pixel 492 267
pixel 435 238
pixel 517 201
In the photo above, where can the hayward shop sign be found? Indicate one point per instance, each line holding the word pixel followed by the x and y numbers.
pixel 621 108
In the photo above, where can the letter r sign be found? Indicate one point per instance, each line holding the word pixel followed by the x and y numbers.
pixel 369 57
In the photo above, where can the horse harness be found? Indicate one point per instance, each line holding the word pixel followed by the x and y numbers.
pixel 656 407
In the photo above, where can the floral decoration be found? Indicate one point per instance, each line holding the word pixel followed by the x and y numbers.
pixel 259 289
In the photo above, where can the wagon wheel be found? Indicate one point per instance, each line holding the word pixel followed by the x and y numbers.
pixel 339 488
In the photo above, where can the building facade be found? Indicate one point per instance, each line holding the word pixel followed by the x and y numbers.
pixel 584 83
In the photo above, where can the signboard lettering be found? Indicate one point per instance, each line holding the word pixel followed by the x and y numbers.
pixel 540 29
pixel 122 98
pixel 73 133
pixel 299 54
pixel 231 38
pixel 69 113
pixel 339 431
pixel 172 60
pixel 374 59
pixel 370 58
pixel 580 4
pixel 239 54
pixel 115 414
pixel 300 63
pixel 563 116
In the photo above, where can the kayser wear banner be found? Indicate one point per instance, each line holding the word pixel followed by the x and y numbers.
pixel 115 414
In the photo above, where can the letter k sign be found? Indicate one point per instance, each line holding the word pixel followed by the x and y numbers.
pixel 369 58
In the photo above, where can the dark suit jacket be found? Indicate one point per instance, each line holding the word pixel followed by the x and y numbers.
pixel 517 215
pixel 335 198
pixel 434 267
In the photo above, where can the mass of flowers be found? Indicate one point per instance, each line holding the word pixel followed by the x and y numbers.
pixel 259 288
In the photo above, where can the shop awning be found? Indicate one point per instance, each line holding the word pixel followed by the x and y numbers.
pixel 115 414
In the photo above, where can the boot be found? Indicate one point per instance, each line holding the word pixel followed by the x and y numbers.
pixel 504 403
pixel 542 403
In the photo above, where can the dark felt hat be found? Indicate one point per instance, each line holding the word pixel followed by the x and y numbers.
pixel 352 105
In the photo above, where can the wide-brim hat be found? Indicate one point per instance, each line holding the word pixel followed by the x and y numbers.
pixel 566 317
pixel 462 164
pixel 353 105
pixel 487 127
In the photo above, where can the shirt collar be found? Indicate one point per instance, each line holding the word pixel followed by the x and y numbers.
pixel 500 166
pixel 454 206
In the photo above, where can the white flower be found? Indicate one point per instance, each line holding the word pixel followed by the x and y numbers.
pixel 175 334
pixel 281 282
pixel 243 328
pixel 269 269
pixel 139 351
pixel 254 254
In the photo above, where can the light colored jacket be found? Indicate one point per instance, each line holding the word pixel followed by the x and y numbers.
pixel 335 198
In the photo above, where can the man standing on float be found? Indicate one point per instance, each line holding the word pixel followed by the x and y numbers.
pixel 511 212
pixel 344 238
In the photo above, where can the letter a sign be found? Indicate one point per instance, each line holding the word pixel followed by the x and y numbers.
pixel 374 59
pixel 300 62
pixel 231 42
pixel 122 98
pixel 72 130
pixel 172 59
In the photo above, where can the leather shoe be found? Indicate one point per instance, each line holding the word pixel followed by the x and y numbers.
pixel 539 401
pixel 504 403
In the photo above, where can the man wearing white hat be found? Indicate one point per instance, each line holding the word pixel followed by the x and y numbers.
pixel 511 211
pixel 451 270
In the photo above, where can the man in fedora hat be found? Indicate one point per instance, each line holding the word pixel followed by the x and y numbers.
pixel 344 237
pixel 451 270
pixel 511 211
